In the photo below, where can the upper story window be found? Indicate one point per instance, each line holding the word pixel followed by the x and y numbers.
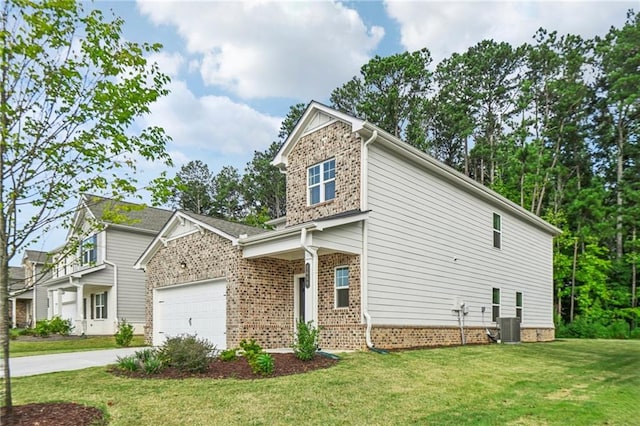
pixel 89 250
pixel 497 230
pixel 342 287
pixel 321 182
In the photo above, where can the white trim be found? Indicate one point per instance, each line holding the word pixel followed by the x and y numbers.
pixel 322 183
pixel 494 230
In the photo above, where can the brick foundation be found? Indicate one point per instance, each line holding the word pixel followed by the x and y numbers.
pixel 537 334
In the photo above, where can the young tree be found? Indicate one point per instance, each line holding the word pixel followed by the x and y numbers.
pixel 70 87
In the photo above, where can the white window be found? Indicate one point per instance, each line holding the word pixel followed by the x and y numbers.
pixel 342 287
pixel 495 305
pixel 321 182
pixel 497 230
pixel 99 309
pixel 89 250
pixel 519 305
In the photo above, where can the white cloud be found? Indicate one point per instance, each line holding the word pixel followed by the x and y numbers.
pixel 447 27
pixel 260 49
pixel 169 63
pixel 213 125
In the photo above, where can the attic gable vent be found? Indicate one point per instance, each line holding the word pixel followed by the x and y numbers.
pixel 318 120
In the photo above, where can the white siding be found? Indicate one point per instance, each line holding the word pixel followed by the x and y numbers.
pixel 430 243
pixel 345 238
pixel 123 249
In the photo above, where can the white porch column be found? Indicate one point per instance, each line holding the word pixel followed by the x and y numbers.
pixel 13 312
pixel 80 319
pixel 58 310
pixel 50 304
pixel 311 259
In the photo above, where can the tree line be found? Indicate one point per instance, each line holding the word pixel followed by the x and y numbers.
pixel 552 125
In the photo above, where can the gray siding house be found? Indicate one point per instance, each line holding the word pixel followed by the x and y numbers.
pixel 382 246
pixel 92 281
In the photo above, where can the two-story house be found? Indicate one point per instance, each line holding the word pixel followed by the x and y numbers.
pixel 382 246
pixel 92 281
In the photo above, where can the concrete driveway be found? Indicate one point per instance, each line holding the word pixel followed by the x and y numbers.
pixel 40 364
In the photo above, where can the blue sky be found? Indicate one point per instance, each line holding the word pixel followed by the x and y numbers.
pixel 236 67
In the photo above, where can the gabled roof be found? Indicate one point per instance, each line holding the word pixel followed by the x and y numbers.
pixel 315 116
pixel 230 230
pixel 35 256
pixel 145 218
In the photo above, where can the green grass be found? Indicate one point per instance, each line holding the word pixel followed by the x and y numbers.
pixel 577 382
pixel 18 348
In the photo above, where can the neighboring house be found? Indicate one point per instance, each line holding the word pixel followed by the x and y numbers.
pixel 382 246
pixel 19 298
pixel 92 280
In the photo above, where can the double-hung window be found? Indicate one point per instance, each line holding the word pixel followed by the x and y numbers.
pixel 89 250
pixel 497 230
pixel 495 305
pixel 99 308
pixel 342 287
pixel 321 182
pixel 519 305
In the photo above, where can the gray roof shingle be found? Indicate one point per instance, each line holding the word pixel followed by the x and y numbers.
pixel 232 228
pixel 145 218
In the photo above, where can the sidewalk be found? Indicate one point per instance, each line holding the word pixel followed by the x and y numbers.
pixel 41 364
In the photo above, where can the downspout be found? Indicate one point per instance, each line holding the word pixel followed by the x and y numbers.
pixel 364 273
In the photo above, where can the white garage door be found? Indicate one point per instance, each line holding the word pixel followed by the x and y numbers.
pixel 198 308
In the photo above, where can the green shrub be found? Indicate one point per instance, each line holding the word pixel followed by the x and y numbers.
pixel 124 335
pixel 306 343
pixel 60 326
pixel 42 328
pixel 145 354
pixel 635 333
pixel 186 353
pixel 228 354
pixel 250 349
pixel 619 329
pixel 263 364
pixel 128 363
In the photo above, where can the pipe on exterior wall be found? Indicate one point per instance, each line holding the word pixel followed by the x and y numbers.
pixel 364 205
pixel 367 333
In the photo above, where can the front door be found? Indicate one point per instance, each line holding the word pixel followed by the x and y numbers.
pixel 301 301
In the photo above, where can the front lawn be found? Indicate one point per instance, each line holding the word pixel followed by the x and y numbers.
pixel 565 382
pixel 51 345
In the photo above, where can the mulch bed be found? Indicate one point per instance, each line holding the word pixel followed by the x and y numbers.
pixel 63 414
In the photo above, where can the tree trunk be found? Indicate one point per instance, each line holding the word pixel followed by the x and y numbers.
pixel 634 271
pixel 573 279
pixel 619 176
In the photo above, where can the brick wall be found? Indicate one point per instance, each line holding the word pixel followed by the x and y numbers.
pixel 335 140
pixel 537 334
pixel 341 327
pixel 259 291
